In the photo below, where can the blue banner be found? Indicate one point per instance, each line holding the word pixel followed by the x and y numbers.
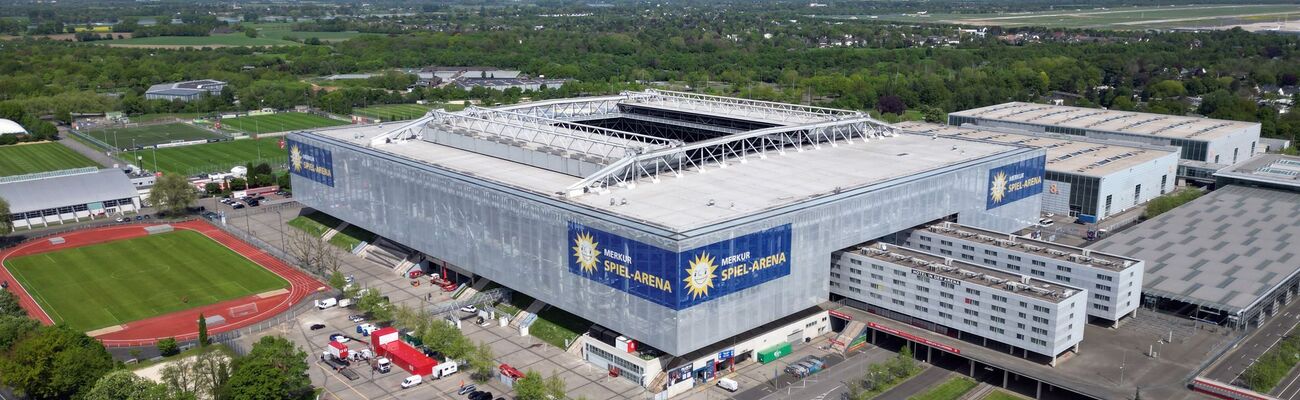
pixel 1015 181
pixel 311 162
pixel 679 280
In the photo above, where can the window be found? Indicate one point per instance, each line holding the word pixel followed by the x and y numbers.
pixel 1038 263
pixel 968 257
pixel 1137 193
pixel 945 315
pixel 835 275
pixel 1063 268
pixel 945 252
pixel 855 271
pixel 855 261
pixel 999 309
pixel 948 285
pixel 1040 320
pixel 921 298
pixel 1039 342
pixel 1103 287
pixel 877 267
pixel 1106 278
pixel 900 273
pixel 967 247
pixel 1101 297
pixel 1000 298
pixel 1037 272
pixel 921 309
pixel 856 290
pixel 926 239
pixel 998 319
pixel 990 261
pixel 900 283
pixel 1108 201
pixel 1042 309
pixel 973 302
pixel 925 247
pixel 997 329
pixel 1013 267
pixel 945 305
pixel 1101 307
pixel 945 243
pixel 990 253
pixel 898 293
pixel 1234 155
pixel 970 322
pixel 1013 257
pixel 855 280
pixel 945 295
pixel 1039 331
pixel 1216 158
pixel 1164 179
pixel 897 301
pixel 1062 278
pixel 972 291
pixel 971 312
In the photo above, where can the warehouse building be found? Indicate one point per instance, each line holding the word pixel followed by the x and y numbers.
pixel 1030 317
pixel 1086 178
pixel 1114 283
pixel 184 91
pixel 676 241
pixel 1228 257
pixel 1201 139
pixel 56 197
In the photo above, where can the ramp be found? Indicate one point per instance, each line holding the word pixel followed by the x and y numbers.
pixel 850 332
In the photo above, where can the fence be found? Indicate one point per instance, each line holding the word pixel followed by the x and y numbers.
pixel 17 239
pixel 228 338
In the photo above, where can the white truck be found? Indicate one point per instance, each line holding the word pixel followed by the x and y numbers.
pixel 326 303
pixel 383 365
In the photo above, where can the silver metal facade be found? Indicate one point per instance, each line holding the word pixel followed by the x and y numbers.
pixel 519 238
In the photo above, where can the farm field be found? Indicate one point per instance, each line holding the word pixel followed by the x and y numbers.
pixel 147 135
pixel 394 112
pixel 223 40
pixel 22 159
pixel 213 157
pixel 278 122
pixel 138 278
pixel 1121 18
pixel 285 30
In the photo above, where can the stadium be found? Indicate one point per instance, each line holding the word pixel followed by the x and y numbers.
pixel 677 220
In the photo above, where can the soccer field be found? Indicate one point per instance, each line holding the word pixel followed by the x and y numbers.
pixel 212 157
pixel 22 159
pixel 394 112
pixel 278 122
pixel 112 283
pixel 141 136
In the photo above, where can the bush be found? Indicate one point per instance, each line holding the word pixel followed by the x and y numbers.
pixel 168 347
pixel 1170 201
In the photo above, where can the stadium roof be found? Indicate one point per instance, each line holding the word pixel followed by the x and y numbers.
pixel 682 186
pixel 1266 168
pixel 1167 126
pixel 47 190
pixel 1226 250
pixel 1074 155
pixel 8 126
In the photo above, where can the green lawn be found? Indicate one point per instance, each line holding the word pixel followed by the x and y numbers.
pixel 394 112
pixel 112 283
pixel 348 238
pixel 281 30
pixel 1001 395
pixel 156 117
pixel 316 223
pixel 278 122
pixel 953 389
pixel 555 326
pixel 141 136
pixel 213 157
pixel 231 39
pixel 22 159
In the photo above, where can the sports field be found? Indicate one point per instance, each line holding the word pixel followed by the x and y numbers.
pixel 212 157
pixel 394 112
pixel 112 283
pixel 22 159
pixel 280 30
pixel 147 135
pixel 1122 18
pixel 278 122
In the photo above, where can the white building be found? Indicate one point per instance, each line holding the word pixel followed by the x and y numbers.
pixel 1114 283
pixel 1201 139
pixel 56 197
pixel 981 304
pixel 8 127
pixel 1085 177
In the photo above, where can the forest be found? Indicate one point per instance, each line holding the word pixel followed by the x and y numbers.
pixel 728 49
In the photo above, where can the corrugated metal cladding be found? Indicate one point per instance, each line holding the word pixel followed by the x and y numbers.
pixel 522 240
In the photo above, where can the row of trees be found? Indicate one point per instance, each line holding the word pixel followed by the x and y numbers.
pixel 882 376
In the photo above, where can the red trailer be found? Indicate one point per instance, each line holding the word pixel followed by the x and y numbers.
pixel 338 350
pixel 387 344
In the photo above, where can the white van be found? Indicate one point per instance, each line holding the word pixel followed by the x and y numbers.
pixel 326 303
pixel 412 381
pixel 728 384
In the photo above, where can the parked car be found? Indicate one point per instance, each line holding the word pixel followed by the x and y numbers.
pixel 1046 222
pixel 139 218
pixel 339 337
pixel 469 309
pixel 237 206
pixel 366 329
pixel 317 326
pixel 123 219
pixel 253 203
pixel 357 318
pixel 466 389
pixel 411 381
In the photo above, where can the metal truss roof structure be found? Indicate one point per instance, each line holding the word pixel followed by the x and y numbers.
pixel 629 157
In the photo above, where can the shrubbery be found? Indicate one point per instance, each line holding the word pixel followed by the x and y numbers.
pixel 1274 365
pixel 1168 202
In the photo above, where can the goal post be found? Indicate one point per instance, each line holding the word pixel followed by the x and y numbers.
pixel 243 310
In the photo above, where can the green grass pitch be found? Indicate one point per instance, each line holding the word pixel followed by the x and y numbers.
pixel 151 134
pixel 278 122
pixel 22 159
pixel 112 283
pixel 212 157
pixel 394 112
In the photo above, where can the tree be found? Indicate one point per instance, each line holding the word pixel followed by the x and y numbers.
pixel 274 369
pixel 9 305
pixel 483 362
pixel 54 362
pixel 337 280
pixel 891 105
pixel 203 331
pixel 212 188
pixel 198 376
pixel 374 303
pixel 6 222
pixel 314 254
pixel 167 347
pixel 250 32
pixel 14 329
pixel 126 385
pixel 172 193
pixel 555 386
pixel 531 387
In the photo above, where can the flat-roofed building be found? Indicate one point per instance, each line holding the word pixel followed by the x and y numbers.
pixel 964 300
pixel 1201 139
pixel 1114 283
pixel 55 197
pixel 1274 171
pixel 1085 177
pixel 184 91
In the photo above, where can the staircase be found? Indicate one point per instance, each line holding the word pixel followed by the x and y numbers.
pixel 978 392
pixel 659 381
pixel 385 252
pixel 334 231
pixel 527 316
pixel 473 289
pixel 847 335
pixel 406 264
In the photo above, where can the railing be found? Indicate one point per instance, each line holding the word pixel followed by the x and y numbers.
pixel 230 338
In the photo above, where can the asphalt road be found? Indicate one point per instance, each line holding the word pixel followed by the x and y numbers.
pixel 1231 366
pixel 829 384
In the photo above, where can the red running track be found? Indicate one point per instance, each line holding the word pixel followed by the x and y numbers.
pixel 181 325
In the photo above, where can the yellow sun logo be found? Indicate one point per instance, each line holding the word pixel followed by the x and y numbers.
pixel 295 157
pixel 699 277
pixel 998 187
pixel 585 251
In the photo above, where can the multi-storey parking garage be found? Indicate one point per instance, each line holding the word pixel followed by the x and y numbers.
pixel 707 218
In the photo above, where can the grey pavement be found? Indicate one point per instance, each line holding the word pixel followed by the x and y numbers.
pixel 1232 365
pixel 931 377
pixel 94 154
